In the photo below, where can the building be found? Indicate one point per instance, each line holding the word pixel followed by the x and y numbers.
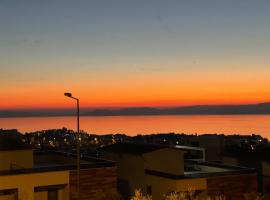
pixel 212 143
pixel 261 165
pixel 266 179
pixel 28 175
pixel 157 170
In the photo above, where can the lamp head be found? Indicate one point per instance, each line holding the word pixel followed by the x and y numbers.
pixel 67 94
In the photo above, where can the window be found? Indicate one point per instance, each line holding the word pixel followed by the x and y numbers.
pixel 52 194
pixel 268 188
pixel 9 194
pixel 124 188
pixel 149 189
pixel 51 190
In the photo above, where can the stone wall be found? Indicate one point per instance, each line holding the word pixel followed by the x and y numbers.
pixel 95 183
pixel 233 187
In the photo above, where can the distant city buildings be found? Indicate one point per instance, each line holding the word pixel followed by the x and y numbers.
pixel 156 164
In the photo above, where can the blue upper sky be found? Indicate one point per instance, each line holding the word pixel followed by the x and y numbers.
pixel 96 39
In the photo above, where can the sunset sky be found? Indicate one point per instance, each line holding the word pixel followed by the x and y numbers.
pixel 120 53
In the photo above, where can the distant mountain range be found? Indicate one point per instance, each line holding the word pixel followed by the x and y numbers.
pixel 262 108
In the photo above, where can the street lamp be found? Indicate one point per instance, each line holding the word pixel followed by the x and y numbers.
pixel 78 142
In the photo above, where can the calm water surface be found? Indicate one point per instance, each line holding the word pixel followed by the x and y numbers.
pixel 133 125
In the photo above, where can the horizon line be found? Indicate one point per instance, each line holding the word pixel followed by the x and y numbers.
pixel 258 108
pixel 126 107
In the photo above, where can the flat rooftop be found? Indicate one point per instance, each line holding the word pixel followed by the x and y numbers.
pixel 208 169
pixel 141 148
pixel 202 169
pixel 47 161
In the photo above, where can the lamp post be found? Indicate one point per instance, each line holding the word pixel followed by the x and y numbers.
pixel 78 142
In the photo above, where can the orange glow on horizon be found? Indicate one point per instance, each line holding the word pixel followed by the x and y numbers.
pixel 149 90
pixel 160 104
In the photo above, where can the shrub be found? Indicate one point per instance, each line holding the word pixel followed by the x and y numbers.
pixel 190 195
pixel 139 196
pixel 253 196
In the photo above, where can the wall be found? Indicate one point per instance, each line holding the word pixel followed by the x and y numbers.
pixel 41 195
pixel 213 145
pixel 161 186
pixel 7 197
pixel 95 183
pixel 165 160
pixel 130 168
pixel 25 183
pixel 233 187
pixel 16 158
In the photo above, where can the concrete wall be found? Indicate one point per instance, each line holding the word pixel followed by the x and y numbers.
pixel 16 159
pixel 25 183
pixel 7 197
pixel 95 183
pixel 130 168
pixel 41 195
pixel 165 160
pixel 161 186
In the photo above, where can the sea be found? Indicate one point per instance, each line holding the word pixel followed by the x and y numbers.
pixel 134 125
